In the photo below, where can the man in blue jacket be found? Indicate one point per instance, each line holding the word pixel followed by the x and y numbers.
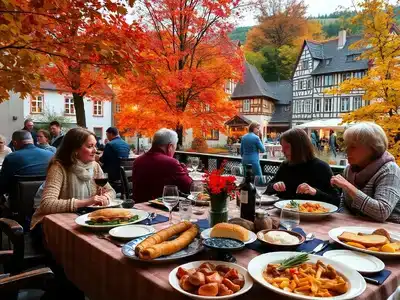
pixel 115 149
pixel 26 160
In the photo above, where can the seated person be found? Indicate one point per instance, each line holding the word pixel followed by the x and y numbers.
pixel 371 183
pixel 70 179
pixel 43 137
pixel 302 175
pixel 26 160
pixel 157 168
pixel 4 150
pixel 56 133
pixel 113 151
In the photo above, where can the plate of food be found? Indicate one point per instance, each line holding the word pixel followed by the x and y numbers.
pixel 203 199
pixel 309 209
pixel 111 217
pixel 112 203
pixel 210 280
pixel 268 199
pixel 231 231
pixel 169 244
pixel 306 276
pixel 361 262
pixel 374 241
pixel 277 239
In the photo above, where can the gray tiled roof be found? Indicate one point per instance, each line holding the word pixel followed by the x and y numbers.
pixel 338 57
pixel 254 85
pixel 280 115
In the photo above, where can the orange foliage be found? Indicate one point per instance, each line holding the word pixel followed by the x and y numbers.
pixel 186 61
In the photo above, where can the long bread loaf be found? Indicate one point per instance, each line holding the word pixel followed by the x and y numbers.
pixel 170 247
pixel 162 236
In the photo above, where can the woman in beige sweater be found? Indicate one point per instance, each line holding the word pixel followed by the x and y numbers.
pixel 70 178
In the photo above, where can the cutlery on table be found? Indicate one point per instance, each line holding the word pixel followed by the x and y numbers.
pixel 371 280
pixel 107 238
pixel 151 217
pixel 321 246
pixel 310 236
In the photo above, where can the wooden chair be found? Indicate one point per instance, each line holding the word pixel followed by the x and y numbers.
pixel 126 183
pixel 12 260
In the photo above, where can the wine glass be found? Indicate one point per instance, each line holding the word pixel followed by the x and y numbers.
pixel 238 172
pixel 290 218
pixel 195 163
pixel 101 181
pixel 196 188
pixel 170 198
pixel 261 185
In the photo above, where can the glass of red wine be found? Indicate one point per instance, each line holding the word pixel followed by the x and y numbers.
pixel 101 181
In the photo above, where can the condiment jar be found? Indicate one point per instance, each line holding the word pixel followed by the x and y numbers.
pixel 262 220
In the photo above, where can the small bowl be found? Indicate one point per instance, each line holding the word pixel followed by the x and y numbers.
pixel 279 247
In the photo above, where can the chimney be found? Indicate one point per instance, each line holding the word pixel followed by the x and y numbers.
pixel 342 39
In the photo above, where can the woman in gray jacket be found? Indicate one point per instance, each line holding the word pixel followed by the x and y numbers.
pixel 371 183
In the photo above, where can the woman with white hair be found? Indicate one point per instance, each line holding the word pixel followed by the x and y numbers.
pixel 4 150
pixel 371 183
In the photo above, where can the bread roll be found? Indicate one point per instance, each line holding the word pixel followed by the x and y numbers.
pixel 233 231
pixel 169 247
pixel 162 236
pixel 109 214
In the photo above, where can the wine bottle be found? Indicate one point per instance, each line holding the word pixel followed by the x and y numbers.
pixel 248 196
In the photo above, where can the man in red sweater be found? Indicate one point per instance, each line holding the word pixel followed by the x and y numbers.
pixel 157 168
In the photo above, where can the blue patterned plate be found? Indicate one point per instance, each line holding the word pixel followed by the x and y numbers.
pixel 195 247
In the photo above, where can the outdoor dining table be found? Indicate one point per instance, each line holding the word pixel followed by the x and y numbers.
pixel 100 270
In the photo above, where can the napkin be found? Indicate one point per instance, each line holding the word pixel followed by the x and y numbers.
pixel 156 220
pixel 203 224
pixel 380 277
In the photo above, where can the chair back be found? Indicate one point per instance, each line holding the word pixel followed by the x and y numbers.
pixel 126 183
pixel 22 205
pixel 126 162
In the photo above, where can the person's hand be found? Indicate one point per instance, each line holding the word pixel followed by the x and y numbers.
pixel 99 200
pixel 279 186
pixel 304 188
pixel 339 181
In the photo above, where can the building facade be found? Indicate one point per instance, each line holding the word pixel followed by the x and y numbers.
pixel 50 101
pixel 321 66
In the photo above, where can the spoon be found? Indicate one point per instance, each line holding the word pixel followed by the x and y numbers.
pixel 310 236
pixel 151 217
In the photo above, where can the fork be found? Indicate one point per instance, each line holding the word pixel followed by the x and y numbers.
pixel 102 236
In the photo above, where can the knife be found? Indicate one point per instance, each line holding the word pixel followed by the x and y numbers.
pixel 321 246
pixel 371 280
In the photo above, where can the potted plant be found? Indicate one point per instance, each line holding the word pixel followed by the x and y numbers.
pixel 220 188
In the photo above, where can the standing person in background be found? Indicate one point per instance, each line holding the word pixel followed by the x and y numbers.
pixel 43 141
pixel 56 134
pixel 315 139
pixel 115 149
pixel 4 150
pixel 250 148
pixel 332 142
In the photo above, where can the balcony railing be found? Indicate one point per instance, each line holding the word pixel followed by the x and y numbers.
pixel 213 161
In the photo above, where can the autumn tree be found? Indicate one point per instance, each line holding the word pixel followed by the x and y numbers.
pixel 279 36
pixel 187 61
pixel 380 44
pixel 78 45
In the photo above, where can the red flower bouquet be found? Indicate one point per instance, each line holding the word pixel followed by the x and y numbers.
pixel 219 184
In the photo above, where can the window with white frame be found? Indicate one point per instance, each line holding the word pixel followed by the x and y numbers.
pixel 309 83
pixel 246 105
pixel 346 76
pixel 69 107
pixel 328 80
pixel 301 85
pixel 318 81
pixel 305 65
pixel 117 107
pixel 301 106
pixel 317 104
pixel 97 108
pixel 37 104
pixel 328 104
pixel 295 106
pixel 357 103
pixel 307 106
pixel 345 104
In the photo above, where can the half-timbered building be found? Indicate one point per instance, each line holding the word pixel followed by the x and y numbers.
pixel 324 65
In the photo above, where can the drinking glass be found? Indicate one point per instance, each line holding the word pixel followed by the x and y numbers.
pixel 185 209
pixel 238 172
pixel 170 198
pixel 196 188
pixel 290 218
pixel 194 161
pixel 101 181
pixel 261 184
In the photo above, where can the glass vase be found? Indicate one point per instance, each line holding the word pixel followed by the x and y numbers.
pixel 218 209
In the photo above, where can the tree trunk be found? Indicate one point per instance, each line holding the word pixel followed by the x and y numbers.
pixel 179 131
pixel 79 110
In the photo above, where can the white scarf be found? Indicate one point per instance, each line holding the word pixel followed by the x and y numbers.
pixel 80 177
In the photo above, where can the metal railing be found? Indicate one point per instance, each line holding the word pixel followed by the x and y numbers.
pixel 213 161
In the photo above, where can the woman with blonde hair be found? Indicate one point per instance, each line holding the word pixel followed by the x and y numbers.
pixel 302 175
pixel 371 182
pixel 70 178
pixel 4 150
pixel 250 148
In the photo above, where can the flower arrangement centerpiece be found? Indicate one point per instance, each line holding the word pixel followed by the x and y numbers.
pixel 220 187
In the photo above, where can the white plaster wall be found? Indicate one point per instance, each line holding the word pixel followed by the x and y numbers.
pixel 13 108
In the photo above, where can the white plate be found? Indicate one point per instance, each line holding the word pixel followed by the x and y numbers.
pixel 335 232
pixel 143 215
pixel 174 281
pixel 332 208
pixel 131 231
pixel 361 262
pixel 205 234
pixel 258 264
pixel 113 203
pixel 268 199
